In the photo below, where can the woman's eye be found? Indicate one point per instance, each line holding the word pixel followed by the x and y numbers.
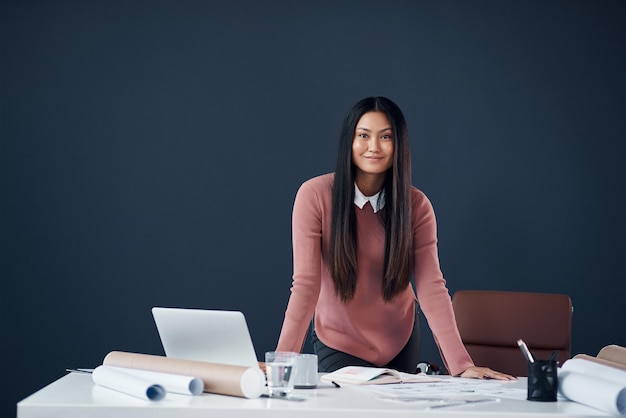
pixel 386 137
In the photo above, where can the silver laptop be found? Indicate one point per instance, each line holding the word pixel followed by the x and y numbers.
pixel 205 335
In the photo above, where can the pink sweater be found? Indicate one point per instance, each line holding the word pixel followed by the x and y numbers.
pixel 366 327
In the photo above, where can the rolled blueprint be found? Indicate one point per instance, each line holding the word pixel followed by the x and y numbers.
pixel 127 383
pixel 599 360
pixel 594 384
pixel 223 379
pixel 613 353
pixel 174 383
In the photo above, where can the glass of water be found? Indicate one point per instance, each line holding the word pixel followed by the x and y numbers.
pixel 279 367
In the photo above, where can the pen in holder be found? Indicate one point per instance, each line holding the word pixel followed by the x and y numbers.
pixel 542 376
pixel 542 381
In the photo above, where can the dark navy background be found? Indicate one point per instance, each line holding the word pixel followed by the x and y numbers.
pixel 151 150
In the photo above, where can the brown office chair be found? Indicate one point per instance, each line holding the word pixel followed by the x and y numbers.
pixel 491 322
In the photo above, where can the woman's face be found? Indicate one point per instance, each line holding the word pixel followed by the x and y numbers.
pixel 372 146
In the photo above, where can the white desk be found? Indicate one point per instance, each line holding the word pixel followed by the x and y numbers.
pixel 75 396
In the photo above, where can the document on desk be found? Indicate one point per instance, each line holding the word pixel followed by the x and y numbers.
pixel 449 391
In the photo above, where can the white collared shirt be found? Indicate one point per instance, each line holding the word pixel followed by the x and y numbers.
pixel 360 199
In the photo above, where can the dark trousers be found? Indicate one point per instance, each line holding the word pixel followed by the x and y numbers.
pixel 330 359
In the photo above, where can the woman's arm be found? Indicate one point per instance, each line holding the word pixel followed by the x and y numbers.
pixel 307 247
pixel 430 285
pixel 434 297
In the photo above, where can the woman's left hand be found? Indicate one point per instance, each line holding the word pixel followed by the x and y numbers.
pixel 485 373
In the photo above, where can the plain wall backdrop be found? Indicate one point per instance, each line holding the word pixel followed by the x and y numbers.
pixel 151 151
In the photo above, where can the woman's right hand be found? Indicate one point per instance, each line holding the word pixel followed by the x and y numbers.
pixel 262 367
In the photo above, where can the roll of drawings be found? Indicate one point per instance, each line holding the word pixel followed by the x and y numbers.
pixel 592 384
pixel 614 354
pixel 129 384
pixel 223 379
pixel 174 383
pixel 616 363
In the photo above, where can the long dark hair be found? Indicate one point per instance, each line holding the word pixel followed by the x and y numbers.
pixel 398 261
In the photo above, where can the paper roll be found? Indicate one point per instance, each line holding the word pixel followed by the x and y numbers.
pixel 218 378
pixel 614 353
pixel 127 383
pixel 599 360
pixel 175 383
pixel 593 384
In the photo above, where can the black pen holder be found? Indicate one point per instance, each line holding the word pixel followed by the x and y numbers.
pixel 542 381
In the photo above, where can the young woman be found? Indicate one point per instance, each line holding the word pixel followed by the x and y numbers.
pixel 359 234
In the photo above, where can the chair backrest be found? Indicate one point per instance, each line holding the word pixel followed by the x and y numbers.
pixel 491 322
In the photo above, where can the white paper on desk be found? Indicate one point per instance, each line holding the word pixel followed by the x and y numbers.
pixel 127 383
pixel 175 383
pixel 450 389
pixel 596 385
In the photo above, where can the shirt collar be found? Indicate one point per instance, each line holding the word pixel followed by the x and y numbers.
pixel 360 199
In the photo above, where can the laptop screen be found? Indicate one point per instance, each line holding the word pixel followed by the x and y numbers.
pixel 214 336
